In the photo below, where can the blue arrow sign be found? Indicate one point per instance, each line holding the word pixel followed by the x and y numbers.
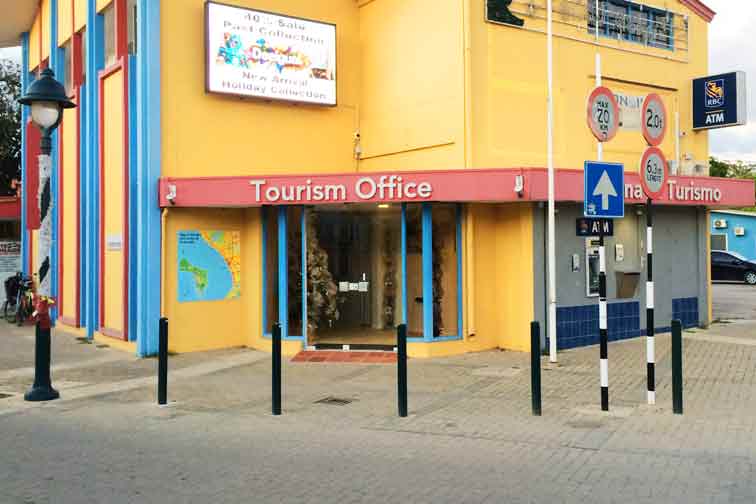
pixel 604 190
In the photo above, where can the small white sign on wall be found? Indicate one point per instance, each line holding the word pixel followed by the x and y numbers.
pixel 114 242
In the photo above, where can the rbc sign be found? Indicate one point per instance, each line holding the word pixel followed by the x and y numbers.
pixel 719 101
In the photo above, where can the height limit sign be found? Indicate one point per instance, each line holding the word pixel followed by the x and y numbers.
pixel 653 172
pixel 603 114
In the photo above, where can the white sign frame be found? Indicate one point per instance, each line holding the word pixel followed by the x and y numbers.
pixel 257 91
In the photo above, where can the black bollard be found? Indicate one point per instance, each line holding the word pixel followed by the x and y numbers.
pixel 677 368
pixel 42 389
pixel 276 369
pixel 401 368
pixel 535 366
pixel 163 362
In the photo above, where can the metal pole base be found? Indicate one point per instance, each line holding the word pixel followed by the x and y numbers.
pixel 42 389
pixel 39 394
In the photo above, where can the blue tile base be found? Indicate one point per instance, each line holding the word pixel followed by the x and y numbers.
pixel 686 310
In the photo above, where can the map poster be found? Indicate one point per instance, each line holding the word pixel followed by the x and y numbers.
pixel 209 265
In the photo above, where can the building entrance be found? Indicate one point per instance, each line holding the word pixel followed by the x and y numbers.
pixel 354 274
pixel 349 274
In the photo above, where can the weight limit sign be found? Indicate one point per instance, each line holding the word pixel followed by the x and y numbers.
pixel 603 114
pixel 654 120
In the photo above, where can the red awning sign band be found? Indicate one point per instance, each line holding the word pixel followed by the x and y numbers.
pixel 486 185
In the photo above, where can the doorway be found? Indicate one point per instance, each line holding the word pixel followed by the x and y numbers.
pixel 353 274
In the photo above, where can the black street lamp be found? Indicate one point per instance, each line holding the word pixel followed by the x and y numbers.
pixel 47 98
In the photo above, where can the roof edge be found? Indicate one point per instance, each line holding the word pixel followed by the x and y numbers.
pixel 700 8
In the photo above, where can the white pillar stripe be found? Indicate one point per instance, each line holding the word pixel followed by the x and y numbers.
pixel 602 258
pixel 602 314
pixel 650 350
pixel 604 373
pixel 650 295
pixel 650 239
pixel 651 397
pixel 45 229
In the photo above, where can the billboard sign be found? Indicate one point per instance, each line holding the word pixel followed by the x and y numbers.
pixel 720 101
pixel 257 54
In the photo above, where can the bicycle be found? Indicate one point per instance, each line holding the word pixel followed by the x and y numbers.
pixel 12 285
pixel 19 301
pixel 25 303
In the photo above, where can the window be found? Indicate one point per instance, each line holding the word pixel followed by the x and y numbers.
pixel 446 257
pixel 270 268
pixel 69 69
pixel 624 20
pixel 132 25
pixel 110 35
pixel 83 55
pixel 719 242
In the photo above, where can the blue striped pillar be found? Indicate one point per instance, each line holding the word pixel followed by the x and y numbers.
pixel 148 168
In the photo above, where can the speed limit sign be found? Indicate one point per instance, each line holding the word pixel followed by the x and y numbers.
pixel 653 170
pixel 603 114
pixel 654 119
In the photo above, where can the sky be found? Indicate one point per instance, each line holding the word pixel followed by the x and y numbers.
pixel 732 46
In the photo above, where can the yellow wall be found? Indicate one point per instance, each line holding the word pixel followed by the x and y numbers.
pixel 240 137
pixel 34 44
pixel 508 72
pixel 419 125
pixel 101 4
pixel 65 21
pixel 113 184
pixel 68 171
pixel 218 324
pixel 80 14
pixel 429 85
pixel 45 19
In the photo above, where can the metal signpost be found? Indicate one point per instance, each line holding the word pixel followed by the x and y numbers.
pixel 653 169
pixel 604 197
pixel 653 172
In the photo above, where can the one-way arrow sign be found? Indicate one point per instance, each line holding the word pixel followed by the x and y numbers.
pixel 604 190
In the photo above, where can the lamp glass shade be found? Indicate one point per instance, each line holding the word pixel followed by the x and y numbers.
pixel 45 114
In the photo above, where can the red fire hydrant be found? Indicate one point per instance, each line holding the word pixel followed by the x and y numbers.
pixel 42 311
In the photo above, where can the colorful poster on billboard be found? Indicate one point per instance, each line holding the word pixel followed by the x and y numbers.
pixel 209 265
pixel 259 54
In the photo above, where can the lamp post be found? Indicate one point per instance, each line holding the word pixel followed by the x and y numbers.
pixel 47 98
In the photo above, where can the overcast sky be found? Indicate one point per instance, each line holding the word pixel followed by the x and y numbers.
pixel 732 45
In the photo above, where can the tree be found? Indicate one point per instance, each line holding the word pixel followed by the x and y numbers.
pixel 718 168
pixel 738 169
pixel 10 125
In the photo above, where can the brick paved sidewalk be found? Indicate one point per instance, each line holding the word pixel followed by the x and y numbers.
pixel 459 407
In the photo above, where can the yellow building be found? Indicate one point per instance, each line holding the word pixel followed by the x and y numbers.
pixel 344 166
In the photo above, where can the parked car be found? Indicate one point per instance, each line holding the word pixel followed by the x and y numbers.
pixel 732 266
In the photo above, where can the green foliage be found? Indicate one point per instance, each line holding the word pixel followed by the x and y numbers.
pixel 10 125
pixel 737 170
